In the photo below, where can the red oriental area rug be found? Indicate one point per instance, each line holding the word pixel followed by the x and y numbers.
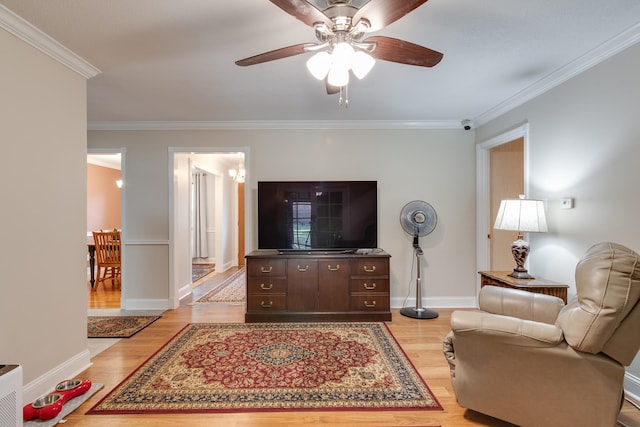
pixel 273 367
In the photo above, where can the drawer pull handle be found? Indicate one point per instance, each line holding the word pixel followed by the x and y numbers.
pixel 303 269
pixel 266 287
pixel 336 268
pixel 265 304
pixel 370 270
pixel 369 305
pixel 370 287
pixel 266 270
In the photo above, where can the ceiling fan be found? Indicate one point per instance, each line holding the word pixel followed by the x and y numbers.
pixel 340 29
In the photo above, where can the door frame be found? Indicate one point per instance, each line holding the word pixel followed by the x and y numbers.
pixel 175 292
pixel 123 226
pixel 483 222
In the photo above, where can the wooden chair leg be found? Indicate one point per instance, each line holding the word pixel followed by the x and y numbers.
pixel 98 279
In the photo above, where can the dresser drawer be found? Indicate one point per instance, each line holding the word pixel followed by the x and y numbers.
pixel 266 285
pixel 369 285
pixel 266 267
pixel 266 302
pixel 370 267
pixel 370 303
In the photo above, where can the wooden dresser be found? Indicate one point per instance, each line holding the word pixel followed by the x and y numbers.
pixel 317 286
pixel 537 285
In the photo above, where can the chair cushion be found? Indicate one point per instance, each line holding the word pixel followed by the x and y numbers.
pixel 608 288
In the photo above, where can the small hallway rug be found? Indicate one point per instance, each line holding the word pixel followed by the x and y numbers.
pixel 117 326
pixel 273 367
pixel 198 271
pixel 232 290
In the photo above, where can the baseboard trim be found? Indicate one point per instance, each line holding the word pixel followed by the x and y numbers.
pixel 225 266
pixel 145 304
pixel 446 302
pixel 46 383
pixel 185 291
pixel 632 386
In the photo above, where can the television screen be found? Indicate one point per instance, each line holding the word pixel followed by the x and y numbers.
pixel 317 215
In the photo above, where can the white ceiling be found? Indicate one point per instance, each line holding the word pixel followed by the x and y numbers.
pixel 173 61
pixel 111 161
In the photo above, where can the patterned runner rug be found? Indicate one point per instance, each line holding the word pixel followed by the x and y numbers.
pixel 198 271
pixel 117 326
pixel 273 366
pixel 232 290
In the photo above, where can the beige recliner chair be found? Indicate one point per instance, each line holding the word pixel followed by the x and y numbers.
pixel 528 359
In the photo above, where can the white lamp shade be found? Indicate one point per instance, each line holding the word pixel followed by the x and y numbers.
pixel 361 64
pixel 521 215
pixel 318 65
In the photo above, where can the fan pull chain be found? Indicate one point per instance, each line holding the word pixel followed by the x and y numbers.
pixel 344 101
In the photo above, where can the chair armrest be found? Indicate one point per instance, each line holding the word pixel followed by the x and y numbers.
pixel 522 304
pixel 505 329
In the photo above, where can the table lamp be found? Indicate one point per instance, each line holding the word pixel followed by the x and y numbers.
pixel 521 215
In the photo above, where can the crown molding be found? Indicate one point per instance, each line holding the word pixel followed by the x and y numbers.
pixel 606 50
pixel 31 35
pixel 274 124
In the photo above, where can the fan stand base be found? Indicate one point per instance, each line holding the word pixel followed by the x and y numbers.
pixel 419 313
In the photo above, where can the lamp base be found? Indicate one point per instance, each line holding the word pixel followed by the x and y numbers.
pixel 418 313
pixel 520 251
pixel 520 274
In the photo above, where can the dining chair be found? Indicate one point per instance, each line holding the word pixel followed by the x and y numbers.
pixel 108 250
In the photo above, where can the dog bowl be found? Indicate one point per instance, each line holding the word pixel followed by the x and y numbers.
pixel 47 400
pixel 68 385
pixel 72 388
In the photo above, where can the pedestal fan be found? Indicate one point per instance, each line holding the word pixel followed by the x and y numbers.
pixel 418 219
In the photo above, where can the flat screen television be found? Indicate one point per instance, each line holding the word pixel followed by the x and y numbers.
pixel 317 215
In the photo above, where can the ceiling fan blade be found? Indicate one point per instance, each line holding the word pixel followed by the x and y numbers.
pixel 331 90
pixel 381 13
pixel 302 10
pixel 284 52
pixel 404 52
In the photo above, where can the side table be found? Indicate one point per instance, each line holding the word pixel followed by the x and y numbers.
pixel 537 285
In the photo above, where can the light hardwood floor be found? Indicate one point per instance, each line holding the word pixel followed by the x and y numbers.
pixel 420 339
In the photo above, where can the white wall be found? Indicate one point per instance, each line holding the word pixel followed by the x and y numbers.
pixel 584 143
pixel 437 166
pixel 44 286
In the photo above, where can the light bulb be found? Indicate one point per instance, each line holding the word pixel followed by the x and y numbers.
pixel 318 65
pixel 361 64
pixel 338 77
pixel 342 55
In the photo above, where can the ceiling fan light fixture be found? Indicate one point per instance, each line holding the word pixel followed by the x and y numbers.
pixel 340 29
pixel 338 76
pixel 319 64
pixel 361 64
pixel 342 55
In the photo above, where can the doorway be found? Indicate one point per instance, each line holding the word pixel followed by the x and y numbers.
pixel 506 181
pixel 207 199
pixel 202 223
pixel 500 186
pixel 104 212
